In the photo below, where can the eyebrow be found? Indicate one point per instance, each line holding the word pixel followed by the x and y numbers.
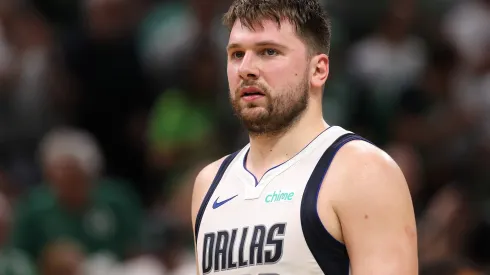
pixel 258 44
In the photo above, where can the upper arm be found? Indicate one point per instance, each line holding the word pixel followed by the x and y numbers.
pixel 201 186
pixel 376 213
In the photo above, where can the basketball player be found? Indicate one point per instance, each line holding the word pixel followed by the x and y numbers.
pixel 302 197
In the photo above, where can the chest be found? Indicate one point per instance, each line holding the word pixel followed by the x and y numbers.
pixel 276 196
pixel 250 227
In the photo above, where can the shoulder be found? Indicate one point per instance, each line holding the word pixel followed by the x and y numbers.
pixel 207 174
pixel 371 200
pixel 364 176
pixel 202 184
pixel 361 155
pixel 362 166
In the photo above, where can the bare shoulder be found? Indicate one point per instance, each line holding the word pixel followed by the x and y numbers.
pixel 202 183
pixel 365 167
pixel 207 174
pixel 374 209
pixel 363 155
pixel 360 177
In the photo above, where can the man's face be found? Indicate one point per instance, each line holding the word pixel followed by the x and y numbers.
pixel 69 181
pixel 268 76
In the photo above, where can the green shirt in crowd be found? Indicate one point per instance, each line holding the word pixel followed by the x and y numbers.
pixel 177 120
pixel 15 262
pixel 110 223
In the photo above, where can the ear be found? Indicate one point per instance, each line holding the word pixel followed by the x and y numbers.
pixel 320 70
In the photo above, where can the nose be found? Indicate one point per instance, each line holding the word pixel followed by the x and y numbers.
pixel 248 69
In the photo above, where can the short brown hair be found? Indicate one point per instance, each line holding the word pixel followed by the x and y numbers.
pixel 310 19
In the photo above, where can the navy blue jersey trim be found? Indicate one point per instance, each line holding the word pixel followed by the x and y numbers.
pixel 330 254
pixel 221 171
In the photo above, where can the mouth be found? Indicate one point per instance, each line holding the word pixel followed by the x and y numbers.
pixel 251 92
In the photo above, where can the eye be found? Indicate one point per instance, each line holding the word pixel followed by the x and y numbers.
pixel 237 55
pixel 270 52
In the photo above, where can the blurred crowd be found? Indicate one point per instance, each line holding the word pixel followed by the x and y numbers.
pixel 109 108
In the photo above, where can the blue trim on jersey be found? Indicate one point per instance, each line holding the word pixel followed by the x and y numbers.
pixel 330 254
pixel 270 169
pixel 245 167
pixel 221 171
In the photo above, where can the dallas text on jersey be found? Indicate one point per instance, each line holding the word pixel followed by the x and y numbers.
pixel 265 247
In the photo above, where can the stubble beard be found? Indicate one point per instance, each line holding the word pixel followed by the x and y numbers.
pixel 277 115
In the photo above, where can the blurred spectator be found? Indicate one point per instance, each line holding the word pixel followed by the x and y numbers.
pixel 473 96
pixel 385 62
pixel 430 118
pixel 114 95
pixel 62 258
pixel 444 225
pixel 429 104
pixel 12 261
pixel 174 254
pixel 168 242
pixel 466 25
pixel 392 57
pixel 450 267
pixel 25 104
pixel 182 25
pixel 166 250
pixel 5 219
pixel 77 203
pixel 175 206
pixel 187 121
pixel 8 189
pixel 410 162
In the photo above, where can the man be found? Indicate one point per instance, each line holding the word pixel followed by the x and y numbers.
pixel 303 197
pixel 77 204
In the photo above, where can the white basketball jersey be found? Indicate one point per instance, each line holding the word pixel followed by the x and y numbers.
pixel 271 226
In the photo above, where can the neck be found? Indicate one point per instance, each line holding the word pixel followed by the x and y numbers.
pixel 269 151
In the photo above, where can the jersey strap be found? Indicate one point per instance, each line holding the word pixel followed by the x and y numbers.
pixel 330 254
pixel 221 171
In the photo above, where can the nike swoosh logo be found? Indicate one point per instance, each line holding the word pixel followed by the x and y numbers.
pixel 217 204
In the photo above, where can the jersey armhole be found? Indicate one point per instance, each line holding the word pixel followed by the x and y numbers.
pixel 221 171
pixel 330 254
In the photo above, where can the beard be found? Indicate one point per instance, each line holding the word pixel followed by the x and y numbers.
pixel 277 114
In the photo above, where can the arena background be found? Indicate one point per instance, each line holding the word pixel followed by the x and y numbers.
pixel 136 92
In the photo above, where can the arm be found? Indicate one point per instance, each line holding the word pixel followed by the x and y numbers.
pixel 375 212
pixel 201 186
